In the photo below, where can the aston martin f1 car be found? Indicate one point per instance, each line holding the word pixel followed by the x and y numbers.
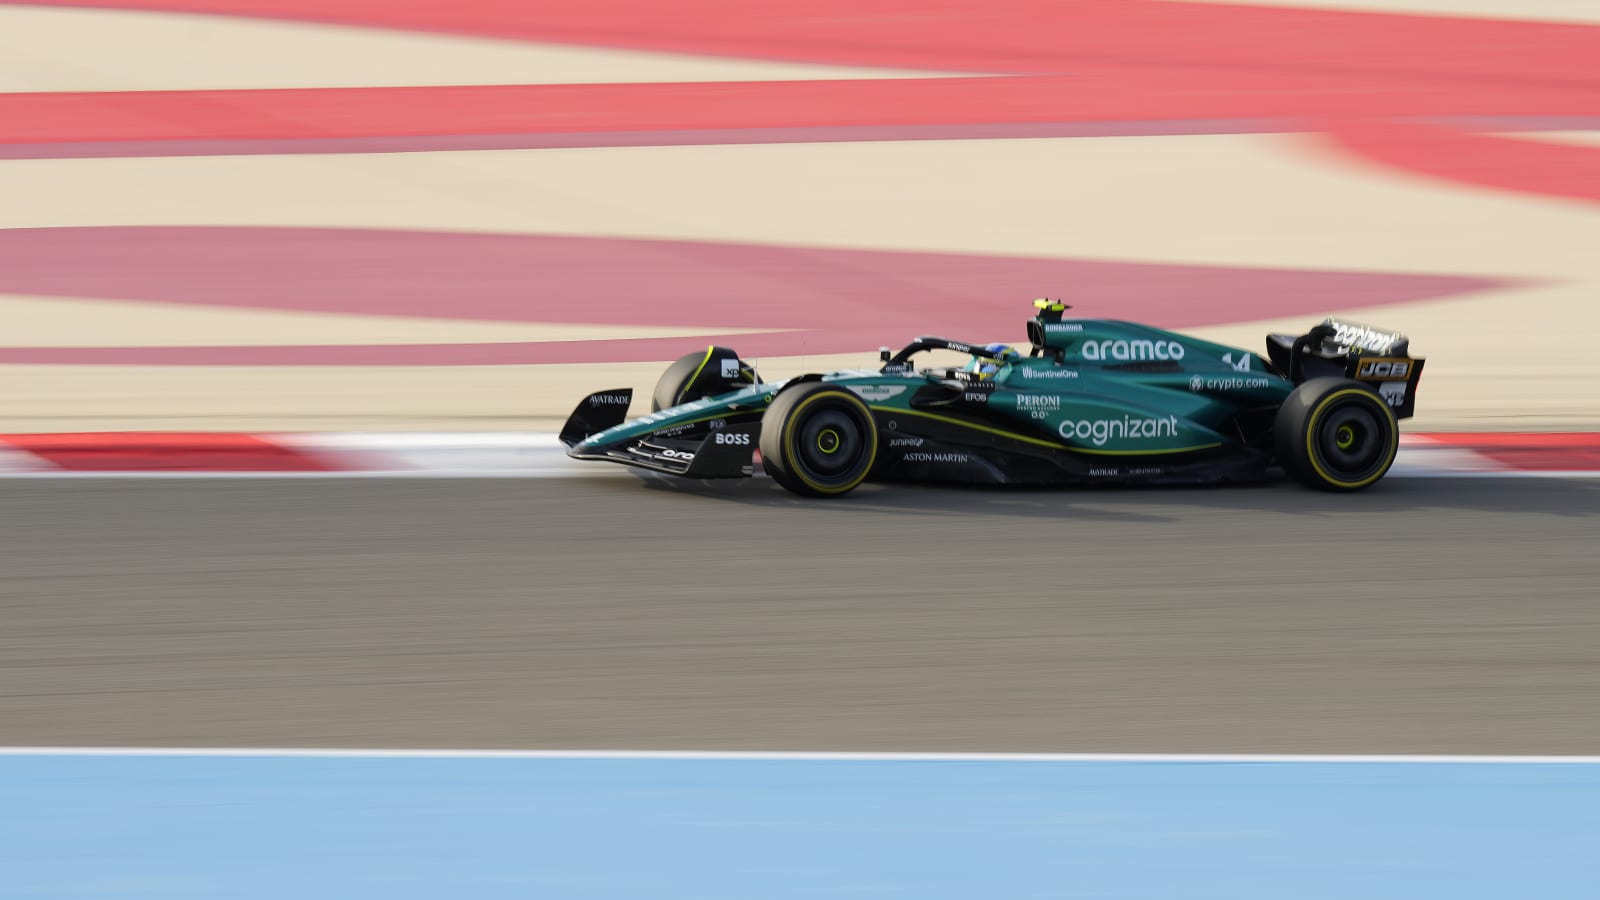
pixel 1090 401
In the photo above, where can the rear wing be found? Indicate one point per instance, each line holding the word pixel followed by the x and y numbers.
pixel 1380 358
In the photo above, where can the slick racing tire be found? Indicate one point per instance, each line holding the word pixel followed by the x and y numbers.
pixel 1335 435
pixel 673 386
pixel 818 440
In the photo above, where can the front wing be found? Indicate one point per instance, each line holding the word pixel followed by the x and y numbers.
pixel 725 453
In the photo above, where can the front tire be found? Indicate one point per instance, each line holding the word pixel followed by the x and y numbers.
pixel 818 440
pixel 675 384
pixel 1334 434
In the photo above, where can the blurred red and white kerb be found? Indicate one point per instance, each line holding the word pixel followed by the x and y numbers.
pixel 538 455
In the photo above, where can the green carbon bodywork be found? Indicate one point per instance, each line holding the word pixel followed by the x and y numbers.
pixel 1102 388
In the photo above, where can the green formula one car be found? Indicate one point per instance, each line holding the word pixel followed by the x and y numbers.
pixel 1092 401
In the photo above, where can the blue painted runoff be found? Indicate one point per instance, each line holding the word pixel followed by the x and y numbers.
pixel 180 827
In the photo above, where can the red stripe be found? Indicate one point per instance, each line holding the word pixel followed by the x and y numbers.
pixel 161 451
pixel 1529 451
pixel 1097 93
pixel 824 300
pixel 1087 60
pixel 982 35
pixel 1517 439
pixel 1486 160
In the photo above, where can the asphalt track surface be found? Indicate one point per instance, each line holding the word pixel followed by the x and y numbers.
pixel 1424 616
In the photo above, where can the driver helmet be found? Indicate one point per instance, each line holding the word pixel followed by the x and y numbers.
pixel 986 368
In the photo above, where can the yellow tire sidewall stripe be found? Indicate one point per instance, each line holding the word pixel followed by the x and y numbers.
pixel 790 449
pixel 698 369
pixel 1311 433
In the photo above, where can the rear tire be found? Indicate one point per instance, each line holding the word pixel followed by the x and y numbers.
pixel 1334 434
pixel 818 440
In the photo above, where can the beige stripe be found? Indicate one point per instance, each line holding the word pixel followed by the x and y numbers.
pixel 1518 358
pixel 104 50
pixel 1577 138
pixel 1266 200
pixel 75 322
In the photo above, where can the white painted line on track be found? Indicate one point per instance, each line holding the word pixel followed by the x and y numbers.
pixel 541 455
pixel 1491 473
pixel 422 474
pixel 803 755
pixel 612 471
pixel 602 470
pixel 19 462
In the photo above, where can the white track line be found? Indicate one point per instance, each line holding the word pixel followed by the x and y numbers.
pixel 615 472
pixel 541 455
pixel 798 755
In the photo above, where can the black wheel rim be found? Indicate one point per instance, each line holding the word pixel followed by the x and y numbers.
pixel 1352 440
pixel 830 446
